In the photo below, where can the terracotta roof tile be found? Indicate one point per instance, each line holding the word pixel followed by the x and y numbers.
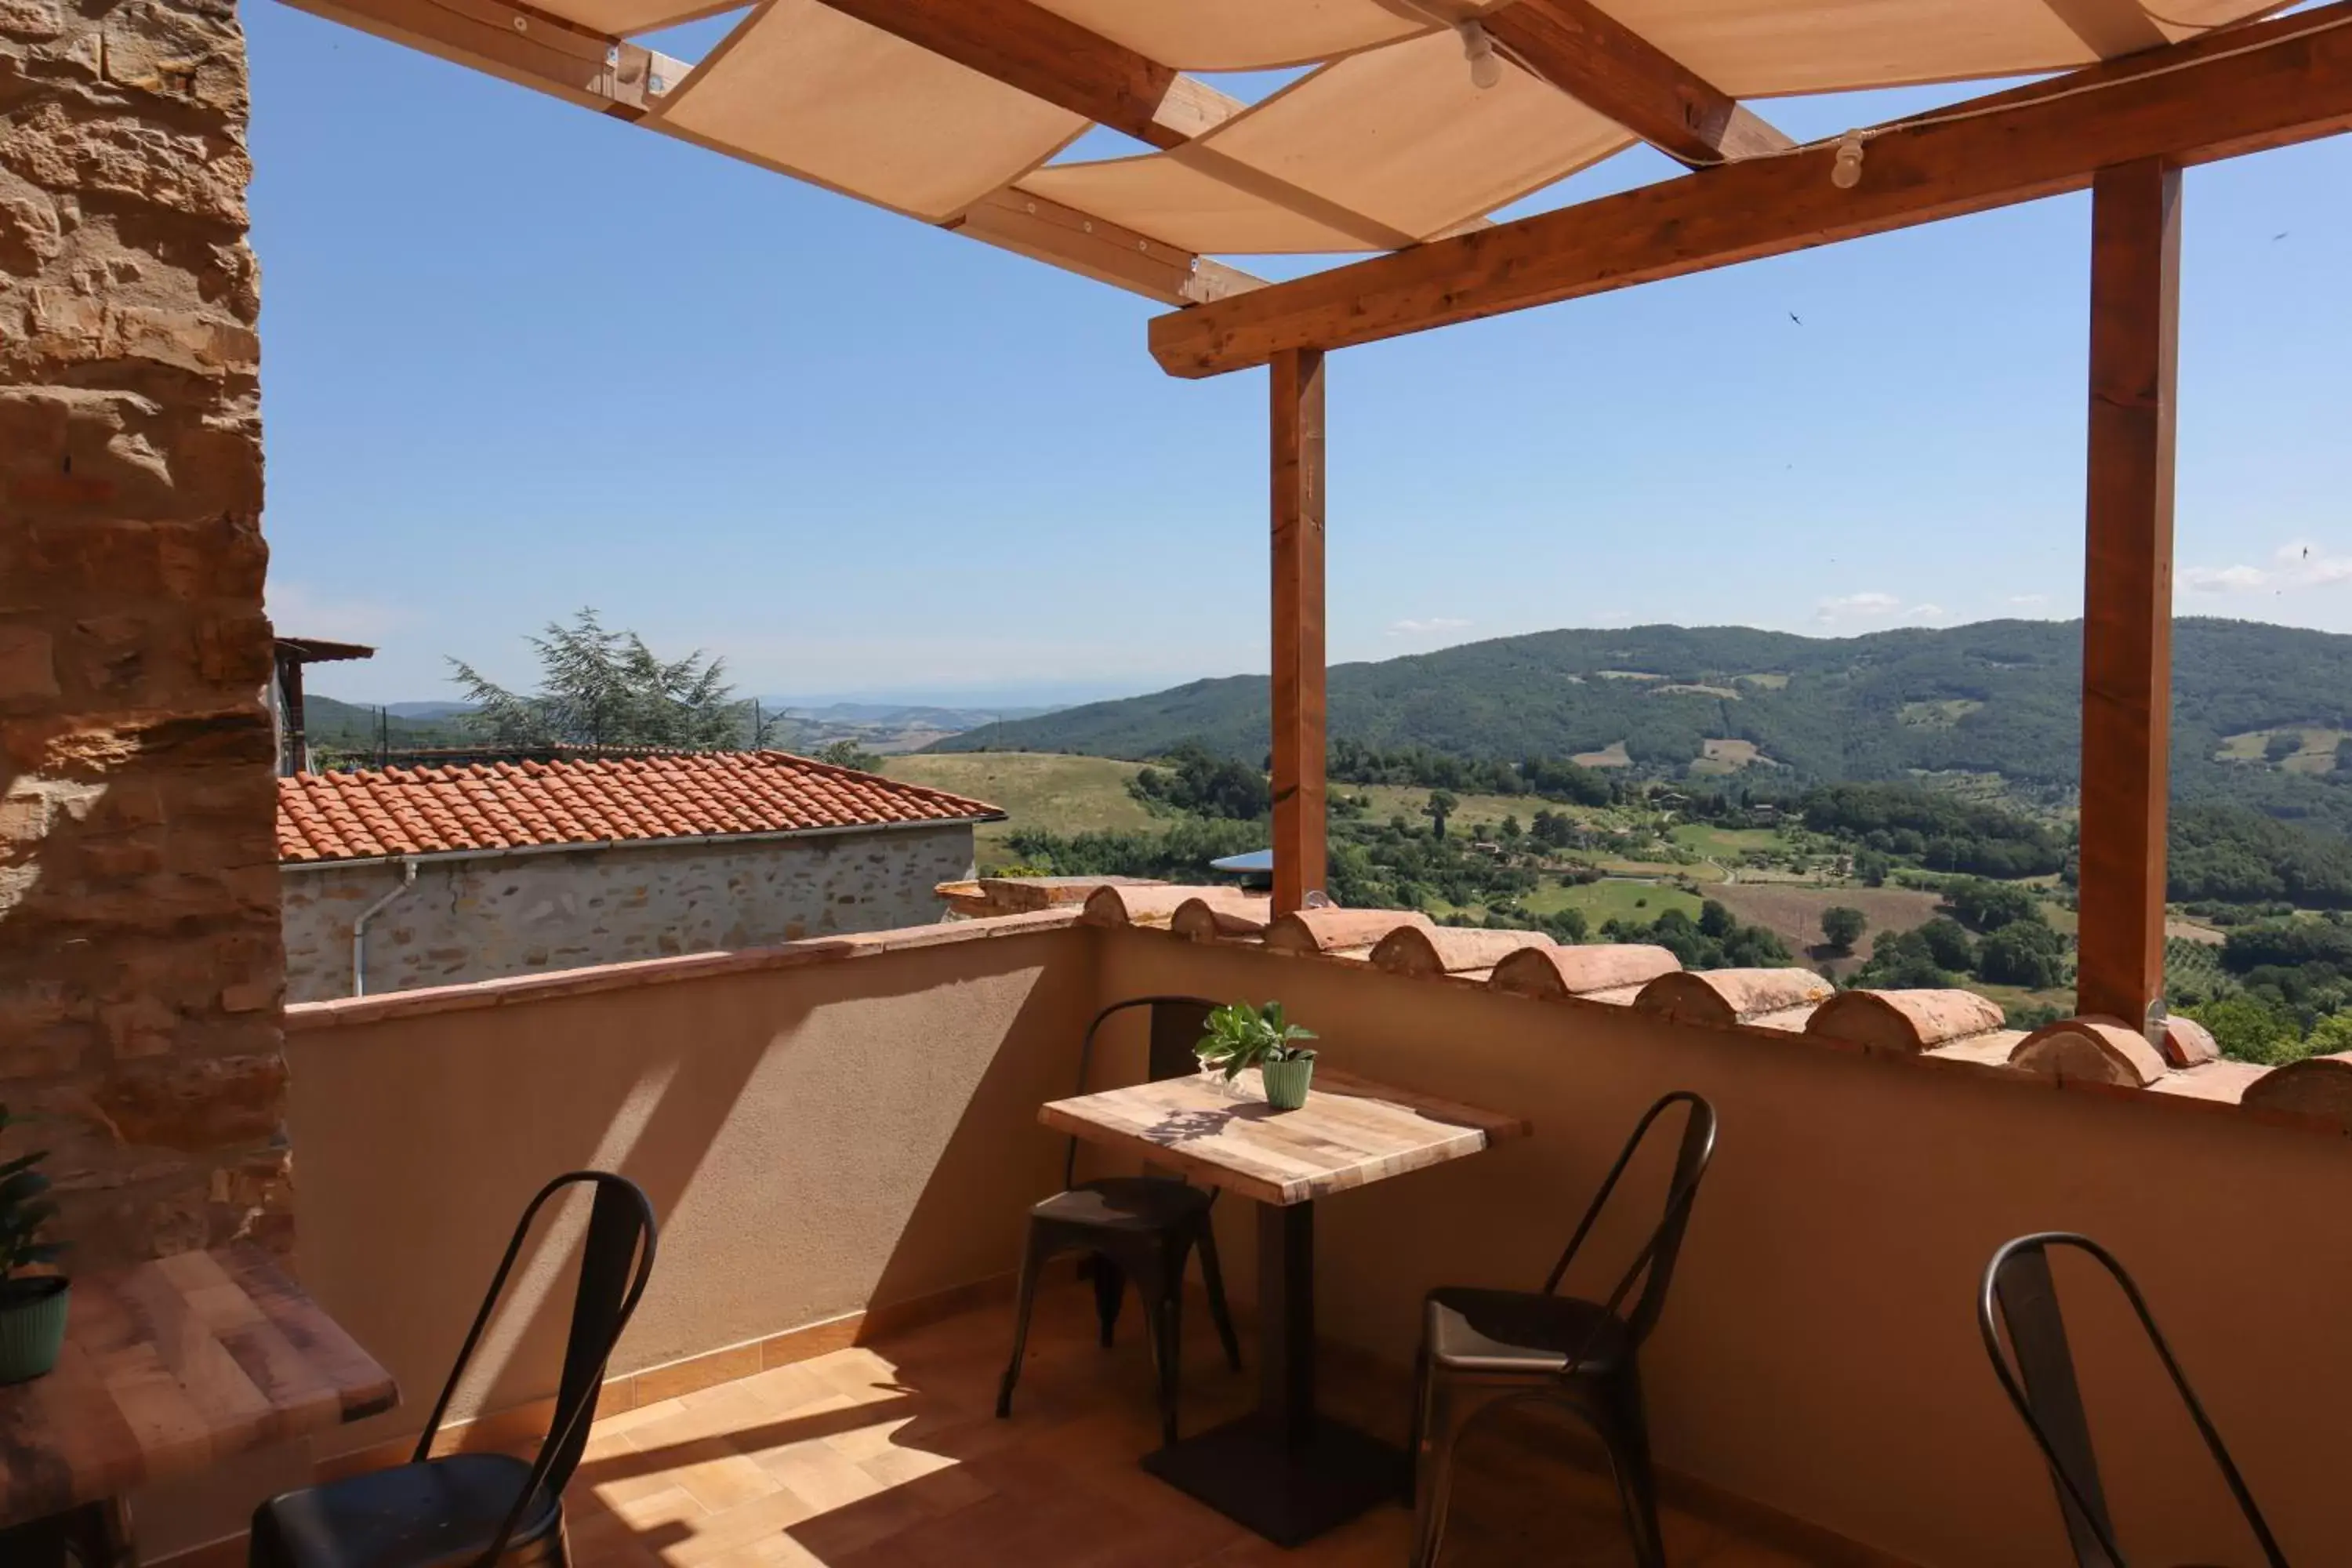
pixel 505 805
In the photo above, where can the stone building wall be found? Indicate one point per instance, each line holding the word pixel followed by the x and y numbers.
pixel 476 919
pixel 140 962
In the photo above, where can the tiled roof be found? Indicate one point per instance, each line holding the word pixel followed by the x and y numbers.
pixel 503 806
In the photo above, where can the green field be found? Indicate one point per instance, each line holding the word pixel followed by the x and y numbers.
pixel 2318 756
pixel 1610 900
pixel 1479 811
pixel 1037 789
pixel 1727 843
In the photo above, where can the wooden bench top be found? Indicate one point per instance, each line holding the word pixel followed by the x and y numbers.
pixel 169 1366
pixel 1349 1133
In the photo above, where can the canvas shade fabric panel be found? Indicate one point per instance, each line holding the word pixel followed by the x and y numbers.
pixel 814 93
pixel 1402 136
pixel 1377 150
pixel 623 18
pixel 1246 35
pixel 1763 49
pixel 1180 205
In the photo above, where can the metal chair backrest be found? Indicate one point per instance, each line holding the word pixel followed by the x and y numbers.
pixel 1176 1023
pixel 1654 1264
pixel 2042 1387
pixel 616 1259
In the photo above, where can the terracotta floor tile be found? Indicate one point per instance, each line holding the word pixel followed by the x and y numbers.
pixel 891 1456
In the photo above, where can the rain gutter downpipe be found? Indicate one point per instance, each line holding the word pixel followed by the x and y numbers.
pixel 359 926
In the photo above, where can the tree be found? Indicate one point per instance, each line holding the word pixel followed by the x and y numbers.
pixel 2022 952
pixel 600 687
pixel 1871 866
pixel 2250 1030
pixel 1842 925
pixel 850 754
pixel 1989 906
pixel 1511 830
pixel 1442 804
pixel 1948 943
pixel 2283 744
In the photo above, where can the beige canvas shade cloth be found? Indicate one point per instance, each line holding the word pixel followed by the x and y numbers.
pixel 814 93
pixel 1386 144
pixel 1243 35
pixel 623 18
pixel 1377 150
pixel 1766 49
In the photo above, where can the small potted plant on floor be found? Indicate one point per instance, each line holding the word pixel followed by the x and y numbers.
pixel 1241 1036
pixel 32 1305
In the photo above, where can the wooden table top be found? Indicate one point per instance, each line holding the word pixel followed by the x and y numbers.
pixel 169 1366
pixel 1350 1131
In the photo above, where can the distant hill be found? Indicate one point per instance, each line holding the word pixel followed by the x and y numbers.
pixel 900 715
pixel 349 727
pixel 427 710
pixel 1995 698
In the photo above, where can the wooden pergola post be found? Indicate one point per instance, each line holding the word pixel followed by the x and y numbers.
pixel 1298 715
pixel 2128 586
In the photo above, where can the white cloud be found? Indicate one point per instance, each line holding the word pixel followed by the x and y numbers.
pixel 297 610
pixel 1925 613
pixel 2299 565
pixel 2224 579
pixel 1864 606
pixel 1433 627
pixel 2029 601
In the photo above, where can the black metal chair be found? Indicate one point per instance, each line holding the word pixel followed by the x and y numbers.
pixel 1481 1350
pixel 2042 1387
pixel 1139 1228
pixel 468 1510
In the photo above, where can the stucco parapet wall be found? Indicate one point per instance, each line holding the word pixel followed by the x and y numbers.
pixel 516 990
pixel 1947 1031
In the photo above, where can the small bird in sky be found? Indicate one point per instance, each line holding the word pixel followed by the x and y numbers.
pixel 2280 235
pixel 1796 318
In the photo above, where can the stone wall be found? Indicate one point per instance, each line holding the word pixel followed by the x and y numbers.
pixel 478 920
pixel 140 962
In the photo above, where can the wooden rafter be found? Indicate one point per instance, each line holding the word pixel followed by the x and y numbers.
pixel 1051 58
pixel 2231 91
pixel 1080 242
pixel 1606 67
pixel 523 45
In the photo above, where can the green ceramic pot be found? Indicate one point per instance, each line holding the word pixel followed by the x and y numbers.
pixel 32 1327
pixel 1285 1083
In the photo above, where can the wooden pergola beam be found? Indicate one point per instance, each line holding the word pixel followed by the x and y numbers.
pixel 2127 588
pixel 1606 66
pixel 2231 91
pixel 1051 58
pixel 524 46
pixel 1297 427
pixel 1027 225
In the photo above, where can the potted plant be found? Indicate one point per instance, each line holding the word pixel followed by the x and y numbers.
pixel 1241 1036
pixel 32 1305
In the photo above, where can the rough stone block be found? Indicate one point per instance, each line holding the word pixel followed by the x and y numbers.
pixel 28 668
pixel 196 1104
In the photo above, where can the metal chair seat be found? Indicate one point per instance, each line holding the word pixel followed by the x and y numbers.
pixel 443 1513
pixel 1520 1331
pixel 1125 1203
pixel 1482 1349
pixel 1134 1230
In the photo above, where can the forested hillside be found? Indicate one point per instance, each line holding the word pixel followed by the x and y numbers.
pixel 1997 698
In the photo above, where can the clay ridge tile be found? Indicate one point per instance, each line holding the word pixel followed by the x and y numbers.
pixel 426 811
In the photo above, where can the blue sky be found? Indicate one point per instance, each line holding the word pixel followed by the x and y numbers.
pixel 519 358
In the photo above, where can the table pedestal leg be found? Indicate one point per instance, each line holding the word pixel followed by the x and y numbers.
pixel 1283 1471
pixel 94 1535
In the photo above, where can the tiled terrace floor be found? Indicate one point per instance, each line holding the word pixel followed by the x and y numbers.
pixel 888 1456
